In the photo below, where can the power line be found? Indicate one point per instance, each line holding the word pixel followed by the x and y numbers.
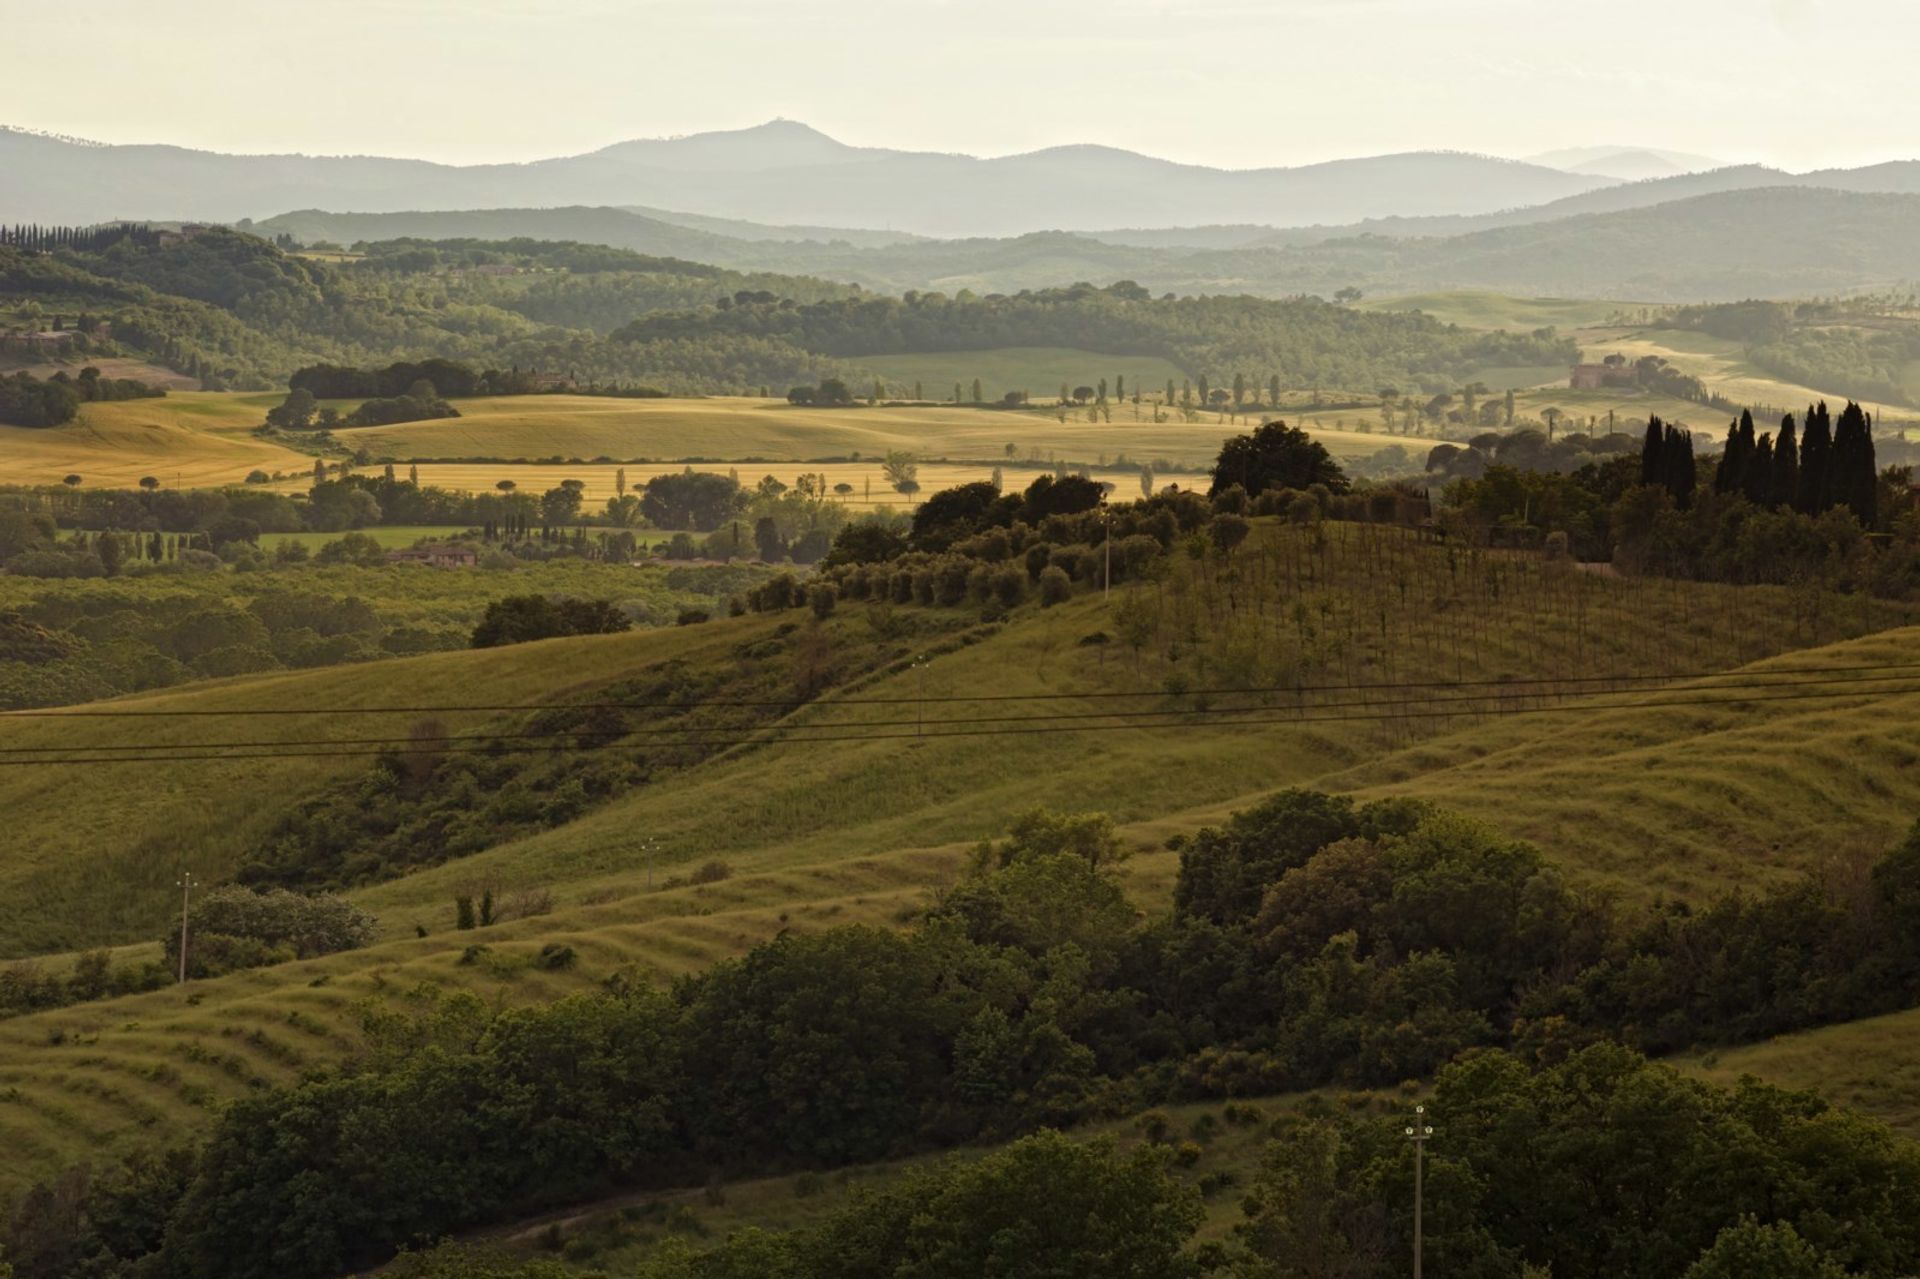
pixel 1848 686
pixel 752 703
pixel 774 734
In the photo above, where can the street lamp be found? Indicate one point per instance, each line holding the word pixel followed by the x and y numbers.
pixel 186 884
pixel 920 713
pixel 1417 1133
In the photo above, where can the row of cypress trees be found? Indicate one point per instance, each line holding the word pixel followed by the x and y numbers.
pixel 1666 461
pixel 38 239
pixel 1831 464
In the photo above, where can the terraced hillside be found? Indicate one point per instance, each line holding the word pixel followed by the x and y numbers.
pixel 852 808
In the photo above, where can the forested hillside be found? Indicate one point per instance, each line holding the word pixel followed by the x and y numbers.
pixel 239 311
pixel 1867 347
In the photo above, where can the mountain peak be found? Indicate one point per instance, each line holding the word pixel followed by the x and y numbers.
pixel 774 144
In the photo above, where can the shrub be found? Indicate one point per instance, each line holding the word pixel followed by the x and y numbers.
pixel 1055 587
pixel 711 873
pixel 236 927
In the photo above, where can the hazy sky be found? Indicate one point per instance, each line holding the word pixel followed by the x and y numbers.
pixel 1238 83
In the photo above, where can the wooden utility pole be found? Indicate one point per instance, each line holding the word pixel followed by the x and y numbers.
pixel 186 886
pixel 920 712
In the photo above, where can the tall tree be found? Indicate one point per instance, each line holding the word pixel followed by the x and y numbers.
pixel 1854 483
pixel 1786 466
pixel 1736 457
pixel 1679 466
pixel 1653 452
pixel 1757 483
pixel 1814 494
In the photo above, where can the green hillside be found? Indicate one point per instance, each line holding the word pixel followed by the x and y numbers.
pixel 823 826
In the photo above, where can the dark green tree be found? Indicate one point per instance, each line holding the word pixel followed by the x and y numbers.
pixel 1815 491
pixel 1275 456
pixel 1786 467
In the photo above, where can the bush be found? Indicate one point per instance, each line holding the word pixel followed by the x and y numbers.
pixel 1055 587
pixel 235 927
pixel 711 873
pixel 519 618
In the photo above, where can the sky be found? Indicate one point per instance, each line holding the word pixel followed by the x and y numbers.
pixel 1234 83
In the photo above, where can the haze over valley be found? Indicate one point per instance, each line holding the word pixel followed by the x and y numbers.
pixel 1125 642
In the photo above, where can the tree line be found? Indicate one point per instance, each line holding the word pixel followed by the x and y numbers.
pixel 1312 941
pixel 26 400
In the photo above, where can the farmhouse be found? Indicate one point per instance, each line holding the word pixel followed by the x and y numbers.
pixel 1613 371
pixel 435 555
pixel 44 343
pixel 187 231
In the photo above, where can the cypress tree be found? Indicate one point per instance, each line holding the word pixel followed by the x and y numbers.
pixel 1757 485
pixel 1653 453
pixel 1736 458
pixel 1679 467
pixel 1853 482
pixel 1815 491
pixel 1786 467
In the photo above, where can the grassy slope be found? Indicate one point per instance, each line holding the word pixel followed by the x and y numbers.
pixel 186 439
pixel 107 838
pixel 1685 799
pixel 1873 1065
pixel 1722 365
pixel 615 1235
pixel 816 835
pixel 1481 310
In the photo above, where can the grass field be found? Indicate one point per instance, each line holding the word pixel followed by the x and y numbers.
pixel 1038 370
pixel 1480 310
pixel 1723 366
pixel 186 440
pixel 390 536
pixel 204 438
pixel 533 427
pixel 870 488
pixel 859 830
pixel 110 366
pixel 1872 1065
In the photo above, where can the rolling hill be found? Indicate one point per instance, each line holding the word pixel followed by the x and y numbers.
pixel 1700 237
pixel 845 823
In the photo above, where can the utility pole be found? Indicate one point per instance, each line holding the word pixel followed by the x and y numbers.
pixel 648 848
pixel 1417 1133
pixel 186 885
pixel 920 711
pixel 1106 530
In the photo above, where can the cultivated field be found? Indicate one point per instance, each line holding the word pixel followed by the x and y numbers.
pixel 849 829
pixel 204 438
pixel 870 488
pixel 1491 311
pixel 1040 371
pixel 1722 365
pixel 186 440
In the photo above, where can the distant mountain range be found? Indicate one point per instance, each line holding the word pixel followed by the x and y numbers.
pixel 781 173
pixel 1627 164
pixel 783 197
